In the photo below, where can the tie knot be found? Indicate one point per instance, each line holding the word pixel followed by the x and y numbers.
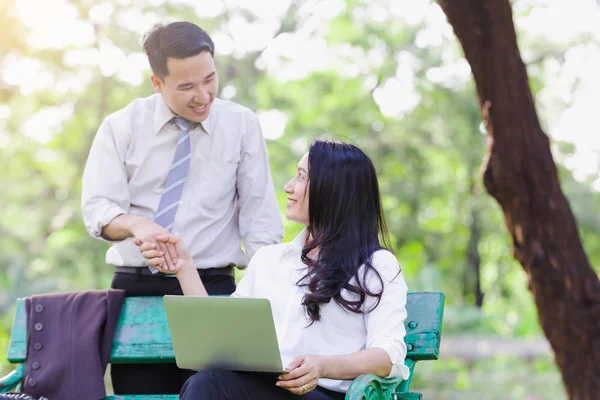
pixel 183 123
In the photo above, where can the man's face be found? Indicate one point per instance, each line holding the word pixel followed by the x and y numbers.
pixel 190 87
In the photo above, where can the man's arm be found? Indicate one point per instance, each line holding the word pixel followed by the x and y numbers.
pixel 259 218
pixel 105 192
pixel 105 197
pixel 129 225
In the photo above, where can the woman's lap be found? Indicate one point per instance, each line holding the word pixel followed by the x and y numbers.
pixel 223 384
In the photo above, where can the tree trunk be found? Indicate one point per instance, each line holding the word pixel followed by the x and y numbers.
pixel 472 277
pixel 520 174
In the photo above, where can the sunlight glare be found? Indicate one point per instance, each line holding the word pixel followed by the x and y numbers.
pixel 27 74
pixel 223 43
pixel 266 10
pixel 273 123
pixel 5 112
pixel 290 56
pixel 54 24
pixel 137 21
pixel 392 105
pixel 412 15
pixel 209 9
pixel 112 58
pixel 47 122
pixel 249 37
pixel 101 13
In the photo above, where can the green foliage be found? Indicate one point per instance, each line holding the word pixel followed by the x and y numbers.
pixel 502 378
pixel 428 158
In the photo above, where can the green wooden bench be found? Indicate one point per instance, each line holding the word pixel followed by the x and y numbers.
pixel 142 336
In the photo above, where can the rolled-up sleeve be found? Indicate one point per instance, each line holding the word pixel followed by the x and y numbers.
pixel 385 323
pixel 245 287
pixel 105 192
pixel 259 218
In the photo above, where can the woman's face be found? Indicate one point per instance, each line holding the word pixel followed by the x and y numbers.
pixel 297 190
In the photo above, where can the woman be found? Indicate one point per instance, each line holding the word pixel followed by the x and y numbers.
pixel 338 297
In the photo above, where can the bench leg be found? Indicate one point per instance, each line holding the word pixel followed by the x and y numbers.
pixel 12 380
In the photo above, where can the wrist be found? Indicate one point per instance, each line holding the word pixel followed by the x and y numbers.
pixel 187 270
pixel 133 222
pixel 326 366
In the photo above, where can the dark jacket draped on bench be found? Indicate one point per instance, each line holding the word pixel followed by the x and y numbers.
pixel 69 340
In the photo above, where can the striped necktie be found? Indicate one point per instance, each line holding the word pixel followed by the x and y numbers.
pixel 171 196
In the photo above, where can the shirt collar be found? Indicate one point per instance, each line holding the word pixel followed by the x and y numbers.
pixel 206 125
pixel 163 114
pixel 297 269
pixel 298 243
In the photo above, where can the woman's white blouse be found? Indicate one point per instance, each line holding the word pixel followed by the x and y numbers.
pixel 273 273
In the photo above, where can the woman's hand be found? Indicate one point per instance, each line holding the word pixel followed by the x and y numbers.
pixel 304 373
pixel 156 257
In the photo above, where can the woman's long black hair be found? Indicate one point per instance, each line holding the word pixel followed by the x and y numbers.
pixel 346 225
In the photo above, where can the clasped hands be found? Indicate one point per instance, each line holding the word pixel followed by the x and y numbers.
pixel 167 253
pixel 164 251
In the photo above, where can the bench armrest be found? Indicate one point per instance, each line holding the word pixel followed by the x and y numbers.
pixel 10 381
pixel 373 387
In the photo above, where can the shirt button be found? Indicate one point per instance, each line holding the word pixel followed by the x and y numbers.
pixel 38 327
pixel 39 308
pixel 37 346
pixel 35 365
pixel 180 202
pixel 31 382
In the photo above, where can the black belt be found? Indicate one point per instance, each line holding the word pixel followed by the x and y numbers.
pixel 202 272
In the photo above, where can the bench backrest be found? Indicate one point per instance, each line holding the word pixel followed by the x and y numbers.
pixel 142 333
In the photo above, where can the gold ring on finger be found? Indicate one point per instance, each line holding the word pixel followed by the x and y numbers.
pixel 304 388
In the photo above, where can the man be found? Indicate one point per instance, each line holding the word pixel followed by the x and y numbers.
pixel 185 162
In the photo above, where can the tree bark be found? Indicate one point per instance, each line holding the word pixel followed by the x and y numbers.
pixel 520 174
pixel 472 277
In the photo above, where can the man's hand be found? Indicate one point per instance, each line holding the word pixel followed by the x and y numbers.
pixel 304 373
pixel 155 256
pixel 146 231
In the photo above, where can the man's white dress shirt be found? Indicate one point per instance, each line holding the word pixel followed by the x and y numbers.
pixel 228 196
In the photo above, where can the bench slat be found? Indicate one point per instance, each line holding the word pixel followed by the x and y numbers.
pixel 17 347
pixel 143 336
pixel 426 312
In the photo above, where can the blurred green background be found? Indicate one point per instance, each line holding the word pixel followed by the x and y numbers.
pixel 387 75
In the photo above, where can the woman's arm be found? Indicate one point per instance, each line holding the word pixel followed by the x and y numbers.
pixel 305 371
pixel 186 272
pixel 349 366
pixel 346 366
pixel 190 282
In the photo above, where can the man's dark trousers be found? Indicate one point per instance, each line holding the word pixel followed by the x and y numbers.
pixel 158 378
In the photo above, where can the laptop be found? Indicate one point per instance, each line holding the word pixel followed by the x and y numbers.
pixel 232 333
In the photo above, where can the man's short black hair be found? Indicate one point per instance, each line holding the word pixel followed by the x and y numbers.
pixel 175 40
